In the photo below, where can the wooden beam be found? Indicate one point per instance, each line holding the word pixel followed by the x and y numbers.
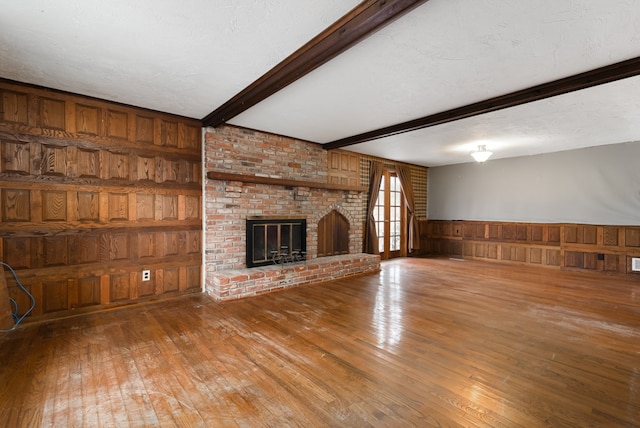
pixel 588 79
pixel 257 179
pixel 366 18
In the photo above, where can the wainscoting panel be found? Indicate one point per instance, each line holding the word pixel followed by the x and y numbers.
pixel 91 194
pixel 597 248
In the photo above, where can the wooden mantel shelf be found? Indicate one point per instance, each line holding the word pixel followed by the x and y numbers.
pixel 225 176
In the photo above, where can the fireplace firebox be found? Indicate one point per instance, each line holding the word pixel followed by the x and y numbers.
pixel 274 241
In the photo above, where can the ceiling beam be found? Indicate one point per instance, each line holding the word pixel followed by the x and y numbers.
pixel 366 18
pixel 588 79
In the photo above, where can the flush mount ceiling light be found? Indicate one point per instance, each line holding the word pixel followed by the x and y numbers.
pixel 482 154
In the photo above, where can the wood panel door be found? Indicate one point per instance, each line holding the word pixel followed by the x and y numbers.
pixel 333 235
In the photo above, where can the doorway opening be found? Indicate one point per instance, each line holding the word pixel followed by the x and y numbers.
pixel 390 217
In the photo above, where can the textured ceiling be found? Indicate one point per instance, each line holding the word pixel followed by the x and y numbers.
pixel 190 57
pixel 178 56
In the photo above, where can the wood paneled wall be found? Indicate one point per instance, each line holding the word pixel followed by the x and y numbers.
pixel 92 193
pixel 606 249
pixel 344 167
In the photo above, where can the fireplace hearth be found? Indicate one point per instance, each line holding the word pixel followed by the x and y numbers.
pixel 275 241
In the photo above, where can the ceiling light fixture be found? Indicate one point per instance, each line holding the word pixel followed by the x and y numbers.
pixel 482 154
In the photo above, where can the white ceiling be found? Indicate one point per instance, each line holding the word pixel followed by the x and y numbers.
pixel 188 57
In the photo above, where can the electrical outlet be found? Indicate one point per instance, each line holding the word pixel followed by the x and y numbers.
pixel 635 264
pixel 146 275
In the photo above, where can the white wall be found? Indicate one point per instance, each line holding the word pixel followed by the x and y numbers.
pixel 598 185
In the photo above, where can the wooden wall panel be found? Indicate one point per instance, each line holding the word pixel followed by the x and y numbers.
pixel 169 133
pixel 170 207
pixel 88 206
pixel 54 160
pixel 571 234
pixel 553 257
pixel 508 232
pixel 120 246
pixel 15 157
pixel 193 242
pixel 171 243
pixel 514 253
pixel 171 279
pixel 535 256
pixel 147 246
pixel 16 205
pixel 595 248
pixel 86 249
pixel 17 253
pixel 144 129
pixel 147 288
pixel 52 113
pixel 537 233
pixel 610 236
pixel 192 207
pixel 120 287
pixel 146 168
pixel 55 295
pixel 344 168
pixel 146 207
pixel 88 292
pixel 54 205
pixel 469 232
pixel 119 166
pixel 15 107
pixel 171 170
pixel 56 250
pixel 117 124
pixel 191 136
pixel 118 206
pixel 92 191
pixel 87 120
pixel 88 163
pixel 193 277
pixel 632 237
pixel 494 231
pixel 589 234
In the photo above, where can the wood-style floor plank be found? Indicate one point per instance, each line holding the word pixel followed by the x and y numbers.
pixel 426 342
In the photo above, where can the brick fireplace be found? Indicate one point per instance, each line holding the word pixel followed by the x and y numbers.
pixel 275 240
pixel 263 175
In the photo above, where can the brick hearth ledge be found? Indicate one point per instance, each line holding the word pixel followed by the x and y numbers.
pixel 239 283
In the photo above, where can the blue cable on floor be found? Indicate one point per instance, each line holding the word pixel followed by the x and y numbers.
pixel 18 319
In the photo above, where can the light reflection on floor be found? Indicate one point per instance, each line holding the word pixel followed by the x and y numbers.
pixel 388 309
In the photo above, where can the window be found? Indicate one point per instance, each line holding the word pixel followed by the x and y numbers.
pixel 388 215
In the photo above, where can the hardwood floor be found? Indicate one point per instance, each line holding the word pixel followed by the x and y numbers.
pixel 427 342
